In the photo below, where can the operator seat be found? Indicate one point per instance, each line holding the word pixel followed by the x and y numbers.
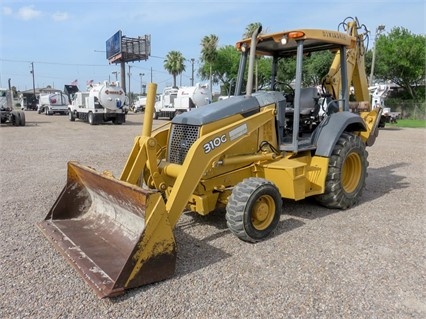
pixel 309 100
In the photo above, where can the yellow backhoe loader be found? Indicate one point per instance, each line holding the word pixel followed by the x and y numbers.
pixel 244 153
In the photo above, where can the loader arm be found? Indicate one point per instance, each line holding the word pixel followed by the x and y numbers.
pixel 197 160
pixel 143 158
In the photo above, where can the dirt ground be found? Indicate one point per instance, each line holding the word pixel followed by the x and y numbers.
pixel 365 262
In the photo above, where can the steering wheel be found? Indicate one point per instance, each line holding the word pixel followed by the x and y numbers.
pixel 283 87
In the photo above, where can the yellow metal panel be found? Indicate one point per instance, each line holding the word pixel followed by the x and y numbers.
pixel 289 176
pixel 203 204
pixel 317 174
pixel 298 177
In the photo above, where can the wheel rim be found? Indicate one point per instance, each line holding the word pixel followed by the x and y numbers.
pixel 351 172
pixel 263 212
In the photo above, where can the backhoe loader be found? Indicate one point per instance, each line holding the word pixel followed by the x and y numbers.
pixel 243 155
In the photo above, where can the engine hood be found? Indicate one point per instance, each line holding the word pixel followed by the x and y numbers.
pixel 245 105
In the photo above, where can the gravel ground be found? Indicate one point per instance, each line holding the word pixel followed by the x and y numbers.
pixel 365 262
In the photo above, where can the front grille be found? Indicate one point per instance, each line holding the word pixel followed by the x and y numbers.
pixel 181 139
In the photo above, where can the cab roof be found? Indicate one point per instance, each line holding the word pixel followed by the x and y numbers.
pixel 314 40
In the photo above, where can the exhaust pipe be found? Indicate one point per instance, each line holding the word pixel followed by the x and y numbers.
pixel 249 87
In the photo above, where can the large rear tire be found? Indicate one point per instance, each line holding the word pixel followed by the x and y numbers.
pixel 253 209
pixel 347 171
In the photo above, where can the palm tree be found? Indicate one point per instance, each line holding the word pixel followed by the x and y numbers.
pixel 209 53
pixel 250 29
pixel 174 64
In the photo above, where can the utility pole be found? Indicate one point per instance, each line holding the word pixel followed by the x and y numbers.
pixel 379 30
pixel 129 94
pixel 141 75
pixel 192 71
pixel 9 99
pixel 32 72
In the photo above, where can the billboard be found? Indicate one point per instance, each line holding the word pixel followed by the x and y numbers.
pixel 120 48
pixel 113 45
pixel 136 49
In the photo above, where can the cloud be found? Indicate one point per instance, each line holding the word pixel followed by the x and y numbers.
pixel 28 13
pixel 60 16
pixel 7 11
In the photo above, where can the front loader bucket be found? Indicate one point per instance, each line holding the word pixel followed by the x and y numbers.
pixel 115 234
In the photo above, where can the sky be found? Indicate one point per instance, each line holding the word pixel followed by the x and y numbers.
pixel 65 40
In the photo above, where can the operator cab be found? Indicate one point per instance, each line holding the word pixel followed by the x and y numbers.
pixel 305 107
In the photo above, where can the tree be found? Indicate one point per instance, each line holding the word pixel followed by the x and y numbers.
pixel 225 67
pixel 400 57
pixel 316 66
pixel 209 53
pixel 174 64
pixel 250 29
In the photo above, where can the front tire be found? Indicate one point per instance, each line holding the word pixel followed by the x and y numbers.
pixel 347 171
pixel 71 116
pixel 253 210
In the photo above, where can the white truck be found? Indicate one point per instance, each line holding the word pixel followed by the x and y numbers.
pixel 378 94
pixel 50 103
pixel 102 103
pixel 139 105
pixel 8 114
pixel 174 101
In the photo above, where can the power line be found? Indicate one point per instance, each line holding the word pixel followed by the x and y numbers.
pixel 76 64
pixel 53 63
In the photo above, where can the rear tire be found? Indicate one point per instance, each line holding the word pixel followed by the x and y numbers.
pixel 21 118
pixel 253 209
pixel 91 118
pixel 347 171
pixel 16 118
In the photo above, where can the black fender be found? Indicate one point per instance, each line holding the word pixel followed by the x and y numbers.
pixel 331 128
